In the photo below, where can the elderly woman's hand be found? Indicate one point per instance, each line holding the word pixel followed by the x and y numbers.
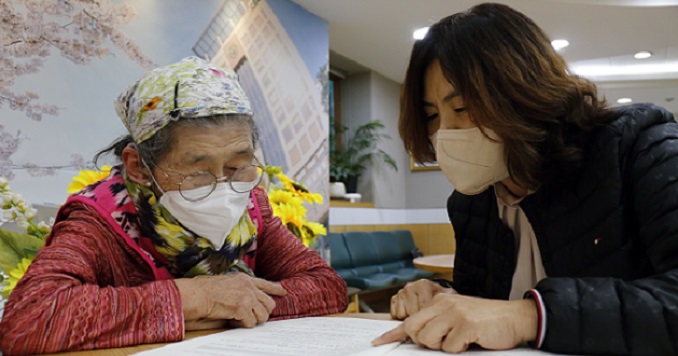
pixel 452 322
pixel 414 296
pixel 244 301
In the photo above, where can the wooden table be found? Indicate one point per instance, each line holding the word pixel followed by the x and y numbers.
pixel 193 334
pixel 435 263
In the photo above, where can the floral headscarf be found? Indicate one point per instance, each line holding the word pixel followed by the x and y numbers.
pixel 190 88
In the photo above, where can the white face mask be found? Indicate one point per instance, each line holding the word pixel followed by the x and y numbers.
pixel 213 217
pixel 471 161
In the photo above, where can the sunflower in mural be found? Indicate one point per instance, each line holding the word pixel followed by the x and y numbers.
pixel 87 177
pixel 16 274
pixel 299 190
pixel 287 200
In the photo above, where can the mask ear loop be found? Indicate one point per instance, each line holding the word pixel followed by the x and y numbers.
pixel 150 172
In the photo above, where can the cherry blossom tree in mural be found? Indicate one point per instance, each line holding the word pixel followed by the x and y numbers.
pixel 79 30
pixel 8 146
pixel 32 30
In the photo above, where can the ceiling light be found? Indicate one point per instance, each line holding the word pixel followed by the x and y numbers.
pixel 624 100
pixel 642 55
pixel 626 70
pixel 420 33
pixel 559 44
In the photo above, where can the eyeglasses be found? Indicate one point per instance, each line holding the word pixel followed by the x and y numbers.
pixel 199 185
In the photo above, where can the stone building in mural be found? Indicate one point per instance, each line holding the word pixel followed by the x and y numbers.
pixel 286 99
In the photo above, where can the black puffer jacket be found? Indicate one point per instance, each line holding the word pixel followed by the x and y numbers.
pixel 608 240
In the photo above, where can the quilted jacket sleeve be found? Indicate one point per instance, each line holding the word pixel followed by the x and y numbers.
pixel 313 287
pixel 74 296
pixel 612 316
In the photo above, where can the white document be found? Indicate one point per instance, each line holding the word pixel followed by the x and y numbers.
pixel 317 336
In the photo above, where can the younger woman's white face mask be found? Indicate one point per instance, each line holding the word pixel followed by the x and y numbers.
pixel 470 160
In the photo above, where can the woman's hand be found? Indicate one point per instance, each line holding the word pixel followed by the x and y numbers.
pixel 414 296
pixel 453 322
pixel 243 300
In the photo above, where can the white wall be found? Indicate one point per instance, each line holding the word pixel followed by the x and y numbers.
pixel 355 111
pixel 389 186
pixel 367 96
pixel 355 100
pixel 427 189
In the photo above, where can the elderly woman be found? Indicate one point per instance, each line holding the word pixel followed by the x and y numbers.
pixel 565 211
pixel 179 237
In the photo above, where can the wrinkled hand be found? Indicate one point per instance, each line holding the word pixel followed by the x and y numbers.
pixel 414 296
pixel 453 322
pixel 244 301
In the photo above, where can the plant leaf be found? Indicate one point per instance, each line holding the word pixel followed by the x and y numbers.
pixel 389 160
pixel 14 246
pixel 360 149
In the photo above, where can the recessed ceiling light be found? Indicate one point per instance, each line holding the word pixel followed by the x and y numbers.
pixel 420 33
pixel 642 55
pixel 559 44
pixel 624 100
pixel 626 70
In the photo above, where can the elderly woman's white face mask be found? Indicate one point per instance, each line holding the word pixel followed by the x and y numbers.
pixel 206 178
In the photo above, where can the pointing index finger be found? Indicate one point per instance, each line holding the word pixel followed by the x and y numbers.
pixel 394 335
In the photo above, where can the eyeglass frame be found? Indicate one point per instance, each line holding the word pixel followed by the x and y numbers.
pixel 226 178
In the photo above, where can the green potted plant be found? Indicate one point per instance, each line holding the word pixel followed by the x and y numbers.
pixel 349 162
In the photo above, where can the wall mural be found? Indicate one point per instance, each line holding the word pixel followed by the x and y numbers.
pixel 64 61
pixel 32 31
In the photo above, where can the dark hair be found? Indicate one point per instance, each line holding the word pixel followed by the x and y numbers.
pixel 513 82
pixel 157 146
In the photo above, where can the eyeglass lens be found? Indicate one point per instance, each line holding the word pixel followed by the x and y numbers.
pixel 199 185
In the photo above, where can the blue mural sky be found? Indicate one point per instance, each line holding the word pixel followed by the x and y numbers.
pixel 313 46
pixel 168 29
